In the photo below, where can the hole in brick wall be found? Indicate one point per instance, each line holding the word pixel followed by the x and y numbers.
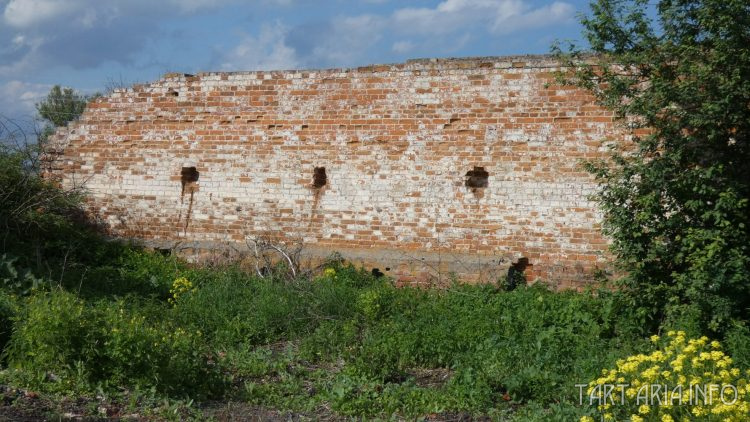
pixel 516 276
pixel 189 175
pixel 163 251
pixel 477 178
pixel 319 177
pixel 377 273
pixel 173 93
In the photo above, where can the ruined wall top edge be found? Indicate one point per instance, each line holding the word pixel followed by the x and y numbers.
pixel 530 61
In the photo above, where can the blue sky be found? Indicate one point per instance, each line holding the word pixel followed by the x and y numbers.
pixel 88 44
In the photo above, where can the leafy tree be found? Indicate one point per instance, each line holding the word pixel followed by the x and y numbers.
pixel 61 106
pixel 676 199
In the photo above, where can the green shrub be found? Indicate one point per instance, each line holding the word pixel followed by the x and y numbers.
pixel 236 311
pixel 737 341
pixel 235 308
pixel 334 297
pixel 529 343
pixel 675 198
pixel 15 280
pixel 110 343
pixel 330 340
pixel 35 214
pixel 50 333
pixel 8 309
pixel 376 303
pixel 138 350
pixel 357 396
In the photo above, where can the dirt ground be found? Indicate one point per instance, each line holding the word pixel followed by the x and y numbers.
pixel 24 406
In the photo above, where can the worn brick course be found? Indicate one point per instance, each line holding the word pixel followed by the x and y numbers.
pixel 396 143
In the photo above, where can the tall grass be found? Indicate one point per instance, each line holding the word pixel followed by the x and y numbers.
pixel 343 338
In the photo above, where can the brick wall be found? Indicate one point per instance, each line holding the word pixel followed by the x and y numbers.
pixel 430 167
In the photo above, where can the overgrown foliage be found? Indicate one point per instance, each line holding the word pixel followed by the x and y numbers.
pixel 35 216
pixel 676 199
pixel 345 339
pixel 61 106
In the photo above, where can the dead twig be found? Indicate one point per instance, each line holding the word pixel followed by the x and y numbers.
pixel 275 259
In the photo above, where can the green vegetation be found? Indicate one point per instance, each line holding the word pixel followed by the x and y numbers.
pixel 62 105
pixel 346 340
pixel 676 200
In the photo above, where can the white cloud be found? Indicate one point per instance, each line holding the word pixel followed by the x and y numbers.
pixel 350 38
pixel 23 47
pixel 22 13
pixel 39 35
pixel 402 47
pixel 266 51
pixel 189 6
pixel 546 15
pixel 343 41
pixel 27 13
pixel 83 33
pixel 18 98
pixel 498 16
pixel 192 5
pixel 445 29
